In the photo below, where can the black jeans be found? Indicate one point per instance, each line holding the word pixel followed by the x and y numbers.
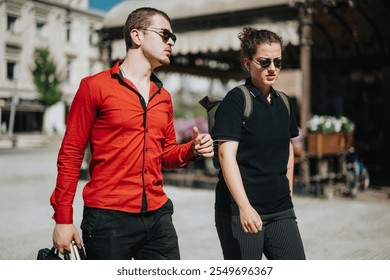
pixel 116 235
pixel 279 239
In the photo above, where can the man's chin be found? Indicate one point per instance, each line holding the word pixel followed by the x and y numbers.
pixel 165 61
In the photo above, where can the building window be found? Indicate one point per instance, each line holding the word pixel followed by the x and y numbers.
pixel 68 70
pixel 11 70
pixel 68 30
pixel 11 22
pixel 40 26
pixel 90 68
pixel 93 36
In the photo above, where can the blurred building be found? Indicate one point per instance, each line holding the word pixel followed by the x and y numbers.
pixel 336 58
pixel 69 31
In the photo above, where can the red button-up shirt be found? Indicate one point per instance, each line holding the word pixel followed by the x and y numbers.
pixel 130 144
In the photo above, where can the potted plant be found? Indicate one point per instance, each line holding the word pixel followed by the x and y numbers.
pixel 329 135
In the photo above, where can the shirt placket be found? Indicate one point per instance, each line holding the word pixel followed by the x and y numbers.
pixel 152 94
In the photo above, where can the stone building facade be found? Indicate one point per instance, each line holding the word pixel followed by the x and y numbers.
pixel 69 30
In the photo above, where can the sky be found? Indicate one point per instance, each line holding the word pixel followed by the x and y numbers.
pixel 104 5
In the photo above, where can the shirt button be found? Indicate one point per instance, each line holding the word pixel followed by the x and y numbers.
pixel 146 149
pixel 145 171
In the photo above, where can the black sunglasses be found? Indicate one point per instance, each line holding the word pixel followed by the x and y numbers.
pixel 164 33
pixel 266 62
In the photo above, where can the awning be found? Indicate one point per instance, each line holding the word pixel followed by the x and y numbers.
pixel 177 9
pixel 215 40
pixel 340 30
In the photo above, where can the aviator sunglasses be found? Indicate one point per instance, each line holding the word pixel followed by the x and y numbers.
pixel 164 33
pixel 266 62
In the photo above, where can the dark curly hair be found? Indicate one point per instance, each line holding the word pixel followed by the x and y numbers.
pixel 250 38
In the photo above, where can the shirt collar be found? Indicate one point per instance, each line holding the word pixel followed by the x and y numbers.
pixel 255 91
pixel 115 72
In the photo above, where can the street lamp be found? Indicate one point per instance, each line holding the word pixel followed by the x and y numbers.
pixel 14 102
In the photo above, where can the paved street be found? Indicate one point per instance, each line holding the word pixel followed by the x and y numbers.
pixel 335 229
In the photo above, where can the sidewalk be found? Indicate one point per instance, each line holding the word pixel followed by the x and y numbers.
pixel 337 229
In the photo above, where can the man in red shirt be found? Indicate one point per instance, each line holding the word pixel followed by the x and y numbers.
pixel 126 116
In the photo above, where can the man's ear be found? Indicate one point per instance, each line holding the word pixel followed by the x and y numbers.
pixel 136 36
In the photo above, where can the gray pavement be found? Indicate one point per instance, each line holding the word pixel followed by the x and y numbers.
pixel 332 229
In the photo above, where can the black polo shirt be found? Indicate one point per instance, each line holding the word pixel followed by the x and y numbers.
pixel 263 149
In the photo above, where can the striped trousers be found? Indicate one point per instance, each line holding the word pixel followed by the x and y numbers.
pixel 279 239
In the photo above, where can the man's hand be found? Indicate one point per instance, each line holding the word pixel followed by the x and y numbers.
pixel 202 144
pixel 63 234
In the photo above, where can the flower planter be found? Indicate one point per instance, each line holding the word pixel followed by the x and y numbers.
pixel 348 138
pixel 328 144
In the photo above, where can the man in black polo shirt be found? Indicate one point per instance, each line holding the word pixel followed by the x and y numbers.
pixel 254 210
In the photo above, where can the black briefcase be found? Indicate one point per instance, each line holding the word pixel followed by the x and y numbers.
pixel 51 254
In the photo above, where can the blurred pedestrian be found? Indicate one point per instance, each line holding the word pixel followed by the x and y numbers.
pixel 126 116
pixel 254 210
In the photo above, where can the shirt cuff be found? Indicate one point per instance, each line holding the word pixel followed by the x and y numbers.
pixel 63 215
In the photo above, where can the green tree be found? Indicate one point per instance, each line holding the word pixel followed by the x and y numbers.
pixel 46 78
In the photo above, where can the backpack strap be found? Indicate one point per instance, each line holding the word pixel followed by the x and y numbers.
pixel 211 104
pixel 248 104
pixel 284 98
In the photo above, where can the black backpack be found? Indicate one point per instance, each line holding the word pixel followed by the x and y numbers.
pixel 211 104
